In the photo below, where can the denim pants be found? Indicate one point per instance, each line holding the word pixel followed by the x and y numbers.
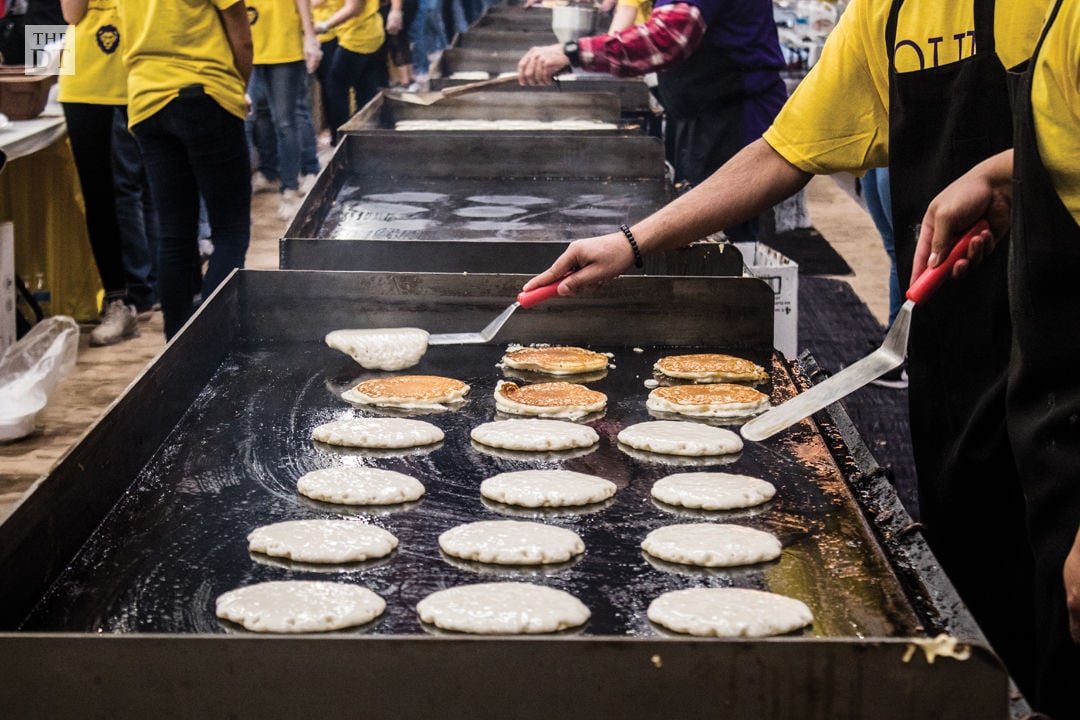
pixel 193 147
pixel 349 70
pixel 263 136
pixel 136 216
pixel 428 33
pixel 283 85
pixel 875 185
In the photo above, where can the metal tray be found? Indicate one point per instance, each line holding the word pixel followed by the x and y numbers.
pixel 111 566
pixel 359 215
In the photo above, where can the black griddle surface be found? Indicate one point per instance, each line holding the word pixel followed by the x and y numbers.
pixel 176 539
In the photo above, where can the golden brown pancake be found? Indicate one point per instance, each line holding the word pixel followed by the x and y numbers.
pixel 710 367
pixel 717 400
pixel 564 360
pixel 408 391
pixel 554 399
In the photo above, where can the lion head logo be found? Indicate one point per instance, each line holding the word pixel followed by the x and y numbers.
pixel 253 15
pixel 108 39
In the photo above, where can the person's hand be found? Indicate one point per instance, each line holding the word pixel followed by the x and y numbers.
pixel 312 53
pixel 395 21
pixel 1071 574
pixel 587 264
pixel 985 191
pixel 248 105
pixel 540 64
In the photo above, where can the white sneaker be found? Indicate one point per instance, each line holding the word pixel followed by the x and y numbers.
pixel 290 203
pixel 306 183
pixel 119 323
pixel 259 184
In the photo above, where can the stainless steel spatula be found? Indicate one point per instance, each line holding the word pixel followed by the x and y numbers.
pixel 890 355
pixel 524 300
pixel 431 97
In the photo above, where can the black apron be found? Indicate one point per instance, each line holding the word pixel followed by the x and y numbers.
pixel 1044 396
pixel 943 121
pixel 703 100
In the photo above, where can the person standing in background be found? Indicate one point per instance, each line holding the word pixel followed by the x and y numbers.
pixel 718 63
pixel 90 97
pixel 137 218
pixel 286 49
pixel 876 193
pixel 352 78
pixel 188 65
pixel 397 16
pixel 331 16
pixel 428 35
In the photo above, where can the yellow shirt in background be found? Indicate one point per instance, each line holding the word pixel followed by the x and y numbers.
pixel 324 11
pixel 644 9
pixel 363 33
pixel 1055 100
pixel 99 77
pixel 837 119
pixel 175 43
pixel 276 32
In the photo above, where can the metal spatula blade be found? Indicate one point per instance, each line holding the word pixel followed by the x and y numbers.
pixel 433 96
pixel 890 355
pixel 524 300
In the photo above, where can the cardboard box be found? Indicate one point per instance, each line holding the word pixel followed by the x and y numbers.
pixel 7 286
pixel 782 275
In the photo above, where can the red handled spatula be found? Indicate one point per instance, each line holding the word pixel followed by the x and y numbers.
pixel 524 300
pixel 890 355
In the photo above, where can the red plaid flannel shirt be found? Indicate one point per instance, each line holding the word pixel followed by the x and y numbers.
pixel 672 33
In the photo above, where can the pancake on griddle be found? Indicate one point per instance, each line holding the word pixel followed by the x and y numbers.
pixel 710 367
pixel 412 392
pixel 558 360
pixel 722 400
pixel 551 400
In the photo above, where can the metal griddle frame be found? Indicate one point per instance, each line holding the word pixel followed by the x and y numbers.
pixel 154 675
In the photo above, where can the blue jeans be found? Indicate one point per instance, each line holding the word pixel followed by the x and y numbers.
pixel 193 147
pixel 136 216
pixel 357 71
pixel 428 33
pixel 282 84
pixel 875 184
pixel 263 136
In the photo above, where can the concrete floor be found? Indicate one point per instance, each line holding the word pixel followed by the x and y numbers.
pixel 102 374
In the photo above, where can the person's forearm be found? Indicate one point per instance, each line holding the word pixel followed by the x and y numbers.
pixel 624 17
pixel 238 31
pixel 753 181
pixel 671 35
pixel 304 8
pixel 74 10
pixel 1071 576
pixel 351 8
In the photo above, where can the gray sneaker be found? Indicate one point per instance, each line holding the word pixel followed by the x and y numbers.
pixel 118 323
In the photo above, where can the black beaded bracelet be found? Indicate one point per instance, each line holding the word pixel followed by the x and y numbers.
pixel 638 262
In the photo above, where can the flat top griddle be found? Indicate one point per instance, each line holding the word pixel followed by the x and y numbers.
pixel 369 208
pixel 176 539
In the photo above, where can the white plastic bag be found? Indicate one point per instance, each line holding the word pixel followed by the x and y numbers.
pixel 31 369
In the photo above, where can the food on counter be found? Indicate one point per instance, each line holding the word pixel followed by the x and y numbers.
pixel 721 400
pixel 565 400
pixel 710 367
pixel 517 200
pixel 711 544
pixel 408 392
pixel 511 542
pixel 505 125
pixel 377 433
pixel 546 488
pixel 381 348
pixel 712 490
pixel 729 612
pixel 534 435
pixel 350 485
pixel 504 608
pixel 298 606
pixel 677 437
pixel 322 541
pixel 555 360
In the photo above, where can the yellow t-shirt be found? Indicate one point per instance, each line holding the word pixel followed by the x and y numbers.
pixel 644 9
pixel 276 32
pixel 99 77
pixel 364 32
pixel 837 119
pixel 173 44
pixel 324 11
pixel 1055 99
